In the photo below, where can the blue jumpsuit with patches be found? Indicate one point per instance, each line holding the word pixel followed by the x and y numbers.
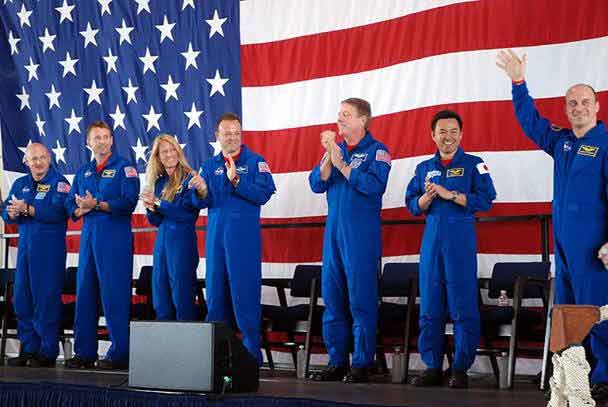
pixel 40 262
pixel 234 243
pixel 580 214
pixel 105 262
pixel 175 254
pixel 448 256
pixel 352 249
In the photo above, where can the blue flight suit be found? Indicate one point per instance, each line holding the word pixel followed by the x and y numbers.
pixel 448 256
pixel 233 243
pixel 40 262
pixel 175 254
pixel 580 214
pixel 105 262
pixel 352 251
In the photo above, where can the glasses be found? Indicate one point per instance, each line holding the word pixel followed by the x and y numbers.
pixel 38 159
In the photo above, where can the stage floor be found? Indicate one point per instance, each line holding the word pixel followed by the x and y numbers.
pixel 481 393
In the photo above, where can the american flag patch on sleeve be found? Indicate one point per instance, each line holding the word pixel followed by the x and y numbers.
pixel 63 187
pixel 263 167
pixel 130 172
pixel 384 156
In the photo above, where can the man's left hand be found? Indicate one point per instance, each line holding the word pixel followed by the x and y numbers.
pixel 17 206
pixel 438 190
pixel 230 169
pixel 86 202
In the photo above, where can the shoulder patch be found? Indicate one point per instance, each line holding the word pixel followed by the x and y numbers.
pixel 63 187
pixel 263 167
pixel 555 127
pixel 130 172
pixel 384 156
pixel 483 168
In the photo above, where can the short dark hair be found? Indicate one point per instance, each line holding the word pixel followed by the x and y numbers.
pixel 98 124
pixel 445 114
pixel 363 108
pixel 229 116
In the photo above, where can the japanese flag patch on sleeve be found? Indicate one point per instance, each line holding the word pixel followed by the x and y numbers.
pixel 384 156
pixel 263 167
pixel 130 172
pixel 483 168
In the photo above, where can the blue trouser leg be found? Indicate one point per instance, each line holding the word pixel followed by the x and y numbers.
pixel 87 292
pixel 462 293
pixel 219 307
pixel 361 261
pixel 431 340
pixel 47 279
pixel 244 268
pixel 115 273
pixel 161 289
pixel 591 287
pixel 336 322
pixel 582 279
pixel 24 304
pixel 182 275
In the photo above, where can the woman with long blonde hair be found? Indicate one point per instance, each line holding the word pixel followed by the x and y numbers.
pixel 168 203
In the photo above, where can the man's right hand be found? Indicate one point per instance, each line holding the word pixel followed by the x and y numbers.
pixel 328 138
pixel 514 66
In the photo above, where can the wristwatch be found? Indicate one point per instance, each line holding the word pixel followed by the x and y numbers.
pixel 157 203
pixel 97 206
pixel 454 195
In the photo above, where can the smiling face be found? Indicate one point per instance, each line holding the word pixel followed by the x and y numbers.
pixel 167 155
pixel 38 159
pixel 581 108
pixel 351 124
pixel 447 136
pixel 229 135
pixel 100 140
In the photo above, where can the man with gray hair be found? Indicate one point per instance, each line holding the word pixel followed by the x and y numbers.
pixel 36 204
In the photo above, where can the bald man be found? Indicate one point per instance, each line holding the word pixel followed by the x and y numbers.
pixel 580 200
pixel 36 204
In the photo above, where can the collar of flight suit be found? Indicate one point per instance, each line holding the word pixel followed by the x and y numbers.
pixel 457 158
pixel 111 161
pixel 365 142
pixel 243 155
pixel 44 180
pixel 598 131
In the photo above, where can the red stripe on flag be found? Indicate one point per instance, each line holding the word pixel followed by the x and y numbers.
pixel 488 126
pixel 464 27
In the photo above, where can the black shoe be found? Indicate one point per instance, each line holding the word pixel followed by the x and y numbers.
pixel 20 360
pixel 109 364
pixel 41 361
pixel 458 379
pixel 429 377
pixel 599 392
pixel 357 375
pixel 330 374
pixel 79 363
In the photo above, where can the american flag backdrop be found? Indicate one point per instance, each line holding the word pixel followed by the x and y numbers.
pixel 285 65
